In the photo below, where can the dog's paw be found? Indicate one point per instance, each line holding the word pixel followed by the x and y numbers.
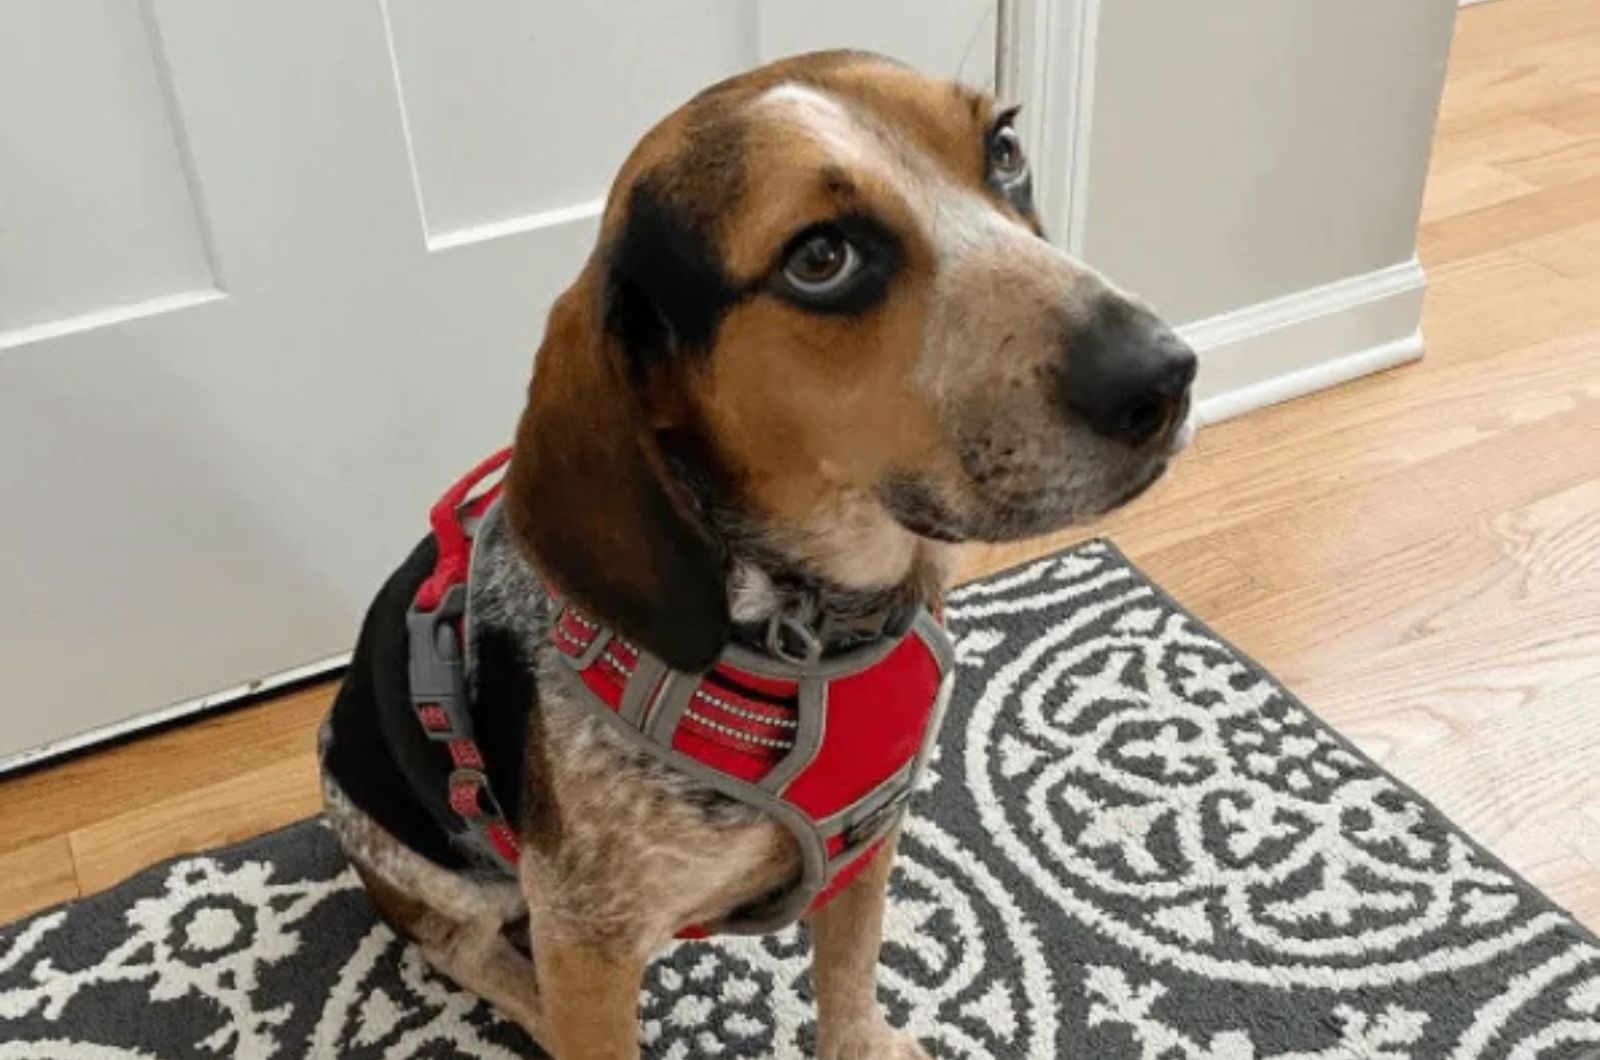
pixel 879 1042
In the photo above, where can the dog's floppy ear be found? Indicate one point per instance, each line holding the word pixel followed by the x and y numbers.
pixel 590 495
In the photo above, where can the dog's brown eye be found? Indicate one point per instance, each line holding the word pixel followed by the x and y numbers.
pixel 1006 159
pixel 821 263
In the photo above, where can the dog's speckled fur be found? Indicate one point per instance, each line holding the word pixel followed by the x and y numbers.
pixel 700 452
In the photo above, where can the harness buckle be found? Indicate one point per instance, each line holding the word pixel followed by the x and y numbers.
pixel 792 641
pixel 870 826
pixel 437 667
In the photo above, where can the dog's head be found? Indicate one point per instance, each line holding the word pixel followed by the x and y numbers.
pixel 821 299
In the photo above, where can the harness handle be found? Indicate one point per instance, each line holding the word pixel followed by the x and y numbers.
pixel 455 550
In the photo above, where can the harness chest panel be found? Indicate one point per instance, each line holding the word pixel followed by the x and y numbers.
pixel 831 748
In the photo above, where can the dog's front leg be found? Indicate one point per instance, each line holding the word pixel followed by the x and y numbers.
pixel 846 936
pixel 589 999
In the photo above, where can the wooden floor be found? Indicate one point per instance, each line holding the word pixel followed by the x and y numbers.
pixel 1417 554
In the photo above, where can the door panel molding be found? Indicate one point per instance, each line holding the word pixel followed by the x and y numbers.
pixel 102 211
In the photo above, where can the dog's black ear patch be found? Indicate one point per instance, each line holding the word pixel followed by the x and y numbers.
pixel 591 497
pixel 666 290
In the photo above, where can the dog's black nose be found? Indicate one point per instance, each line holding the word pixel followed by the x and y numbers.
pixel 1126 374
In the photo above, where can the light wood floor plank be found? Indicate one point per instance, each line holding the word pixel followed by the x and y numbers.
pixel 35 876
pixel 1480 231
pixel 1473 187
pixel 1573 252
pixel 115 847
pixel 187 759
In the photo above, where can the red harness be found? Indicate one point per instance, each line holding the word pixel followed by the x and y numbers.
pixel 831 748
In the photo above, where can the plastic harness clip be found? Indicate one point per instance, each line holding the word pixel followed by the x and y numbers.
pixel 438 667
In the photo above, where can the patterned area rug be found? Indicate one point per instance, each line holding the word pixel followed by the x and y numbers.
pixel 1134 844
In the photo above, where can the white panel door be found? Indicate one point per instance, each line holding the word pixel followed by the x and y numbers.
pixel 271 275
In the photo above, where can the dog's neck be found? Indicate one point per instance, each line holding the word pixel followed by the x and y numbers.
pixel 856 578
pixel 766 586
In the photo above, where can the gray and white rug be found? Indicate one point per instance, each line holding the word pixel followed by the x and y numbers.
pixel 1134 844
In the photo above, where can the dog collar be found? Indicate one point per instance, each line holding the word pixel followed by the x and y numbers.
pixel 830 747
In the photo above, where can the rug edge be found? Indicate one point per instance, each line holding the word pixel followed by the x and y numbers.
pixel 160 866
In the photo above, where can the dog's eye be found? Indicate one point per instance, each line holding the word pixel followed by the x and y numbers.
pixel 842 265
pixel 1007 161
pixel 821 263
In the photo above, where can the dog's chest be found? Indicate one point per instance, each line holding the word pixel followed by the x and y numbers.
pixel 617 836
pixel 635 841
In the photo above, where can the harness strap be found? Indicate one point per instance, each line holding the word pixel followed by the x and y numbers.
pixel 438 676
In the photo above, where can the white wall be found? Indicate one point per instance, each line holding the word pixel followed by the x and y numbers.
pixel 1255 167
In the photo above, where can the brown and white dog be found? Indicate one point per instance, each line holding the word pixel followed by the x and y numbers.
pixel 820 339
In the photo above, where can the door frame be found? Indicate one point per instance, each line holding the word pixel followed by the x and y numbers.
pixel 1044 59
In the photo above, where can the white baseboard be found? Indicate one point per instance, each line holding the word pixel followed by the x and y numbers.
pixel 1309 380
pixel 1306 341
pixel 178 711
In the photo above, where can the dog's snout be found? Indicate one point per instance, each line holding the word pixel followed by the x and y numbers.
pixel 1126 373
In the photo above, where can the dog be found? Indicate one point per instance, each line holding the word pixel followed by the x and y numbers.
pixel 821 340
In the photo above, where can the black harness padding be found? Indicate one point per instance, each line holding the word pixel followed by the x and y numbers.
pixel 383 760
